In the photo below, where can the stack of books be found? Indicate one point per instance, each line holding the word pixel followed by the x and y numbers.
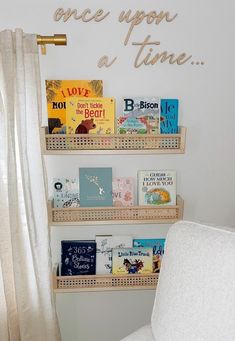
pixel 96 187
pixel 78 107
pixel 108 254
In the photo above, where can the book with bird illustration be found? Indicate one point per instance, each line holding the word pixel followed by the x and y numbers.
pixel 140 115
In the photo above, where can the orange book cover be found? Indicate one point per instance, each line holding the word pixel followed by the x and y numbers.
pixel 58 90
pixel 90 115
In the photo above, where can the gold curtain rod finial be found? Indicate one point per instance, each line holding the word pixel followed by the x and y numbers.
pixel 56 39
pixel 60 39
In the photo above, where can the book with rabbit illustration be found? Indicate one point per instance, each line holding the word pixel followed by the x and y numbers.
pixel 95 187
pixel 157 187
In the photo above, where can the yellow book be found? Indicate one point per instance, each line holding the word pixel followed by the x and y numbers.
pixel 58 90
pixel 90 115
pixel 137 260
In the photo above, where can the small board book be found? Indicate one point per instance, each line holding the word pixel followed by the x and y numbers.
pixel 123 191
pixel 169 116
pixel 141 115
pixel 136 260
pixel 104 247
pixel 78 257
pixel 95 187
pixel 58 90
pixel 158 250
pixel 157 187
pixel 66 192
pixel 90 115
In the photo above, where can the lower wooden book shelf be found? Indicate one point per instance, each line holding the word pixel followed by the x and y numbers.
pixel 69 284
pixel 116 215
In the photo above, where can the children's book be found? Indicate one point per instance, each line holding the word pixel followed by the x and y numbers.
pixel 157 187
pixel 95 187
pixel 158 250
pixel 104 247
pixel 136 260
pixel 169 116
pixel 90 115
pixel 66 192
pixel 58 90
pixel 78 257
pixel 140 115
pixel 123 191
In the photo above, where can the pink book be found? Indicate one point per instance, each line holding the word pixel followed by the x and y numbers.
pixel 123 191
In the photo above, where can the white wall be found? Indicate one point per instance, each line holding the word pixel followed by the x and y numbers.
pixel 204 29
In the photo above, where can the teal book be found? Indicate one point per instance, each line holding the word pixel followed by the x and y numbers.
pixel 95 187
pixel 158 250
pixel 169 116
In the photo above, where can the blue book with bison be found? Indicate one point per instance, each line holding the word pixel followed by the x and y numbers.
pixel 95 187
pixel 78 257
pixel 169 116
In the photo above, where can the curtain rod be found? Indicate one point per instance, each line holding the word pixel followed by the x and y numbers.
pixel 56 39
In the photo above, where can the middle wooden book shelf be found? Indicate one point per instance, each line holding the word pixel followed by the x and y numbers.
pixel 116 215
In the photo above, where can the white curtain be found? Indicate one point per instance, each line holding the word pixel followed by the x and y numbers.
pixel 27 310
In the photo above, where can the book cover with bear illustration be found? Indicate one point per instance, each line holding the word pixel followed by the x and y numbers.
pixel 169 116
pixel 78 257
pixel 157 187
pixel 90 115
pixel 140 116
pixel 158 250
pixel 136 260
pixel 56 93
pixel 95 187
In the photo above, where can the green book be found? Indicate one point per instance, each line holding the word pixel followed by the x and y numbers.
pixel 95 187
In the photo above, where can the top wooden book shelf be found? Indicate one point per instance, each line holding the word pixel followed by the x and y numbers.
pixel 113 144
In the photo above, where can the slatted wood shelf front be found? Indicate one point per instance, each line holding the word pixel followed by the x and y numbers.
pixel 68 284
pixel 116 215
pixel 113 144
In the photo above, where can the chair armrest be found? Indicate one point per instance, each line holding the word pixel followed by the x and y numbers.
pixel 142 334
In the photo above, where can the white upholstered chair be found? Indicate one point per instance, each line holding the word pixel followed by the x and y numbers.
pixel 195 297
